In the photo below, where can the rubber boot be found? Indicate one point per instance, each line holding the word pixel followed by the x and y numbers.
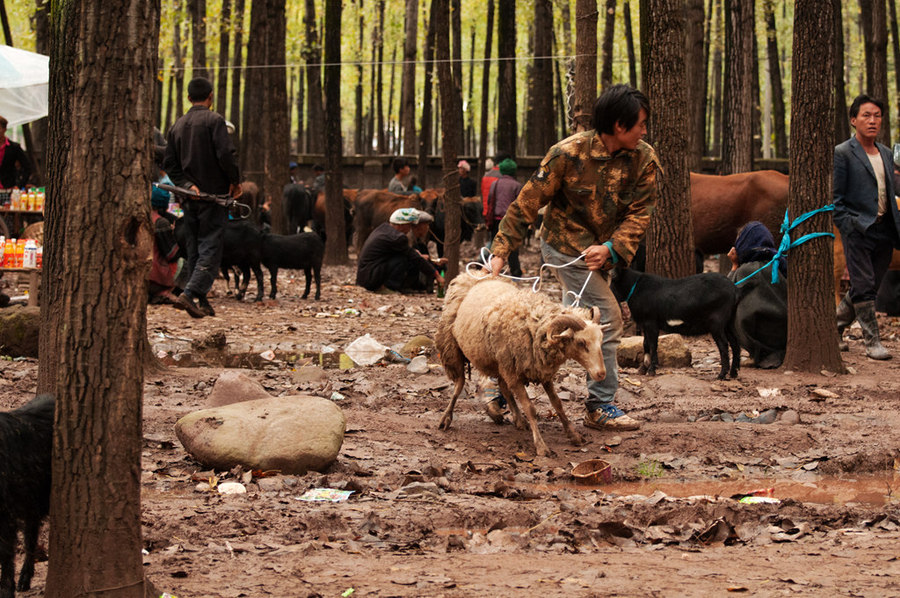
pixel 845 316
pixel 865 312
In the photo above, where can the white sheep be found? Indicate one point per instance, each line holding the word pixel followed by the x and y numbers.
pixel 519 337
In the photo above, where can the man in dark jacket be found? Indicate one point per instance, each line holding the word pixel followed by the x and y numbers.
pixel 14 165
pixel 201 156
pixel 387 263
pixel 866 213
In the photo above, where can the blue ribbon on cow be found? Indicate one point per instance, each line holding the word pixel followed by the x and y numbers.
pixel 786 227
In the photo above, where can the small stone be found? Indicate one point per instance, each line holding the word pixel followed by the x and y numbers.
pixel 524 478
pixel 790 417
pixel 419 365
pixel 668 417
pixel 272 484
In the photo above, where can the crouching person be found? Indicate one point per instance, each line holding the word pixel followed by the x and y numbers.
pixel 387 262
pixel 165 250
pixel 599 188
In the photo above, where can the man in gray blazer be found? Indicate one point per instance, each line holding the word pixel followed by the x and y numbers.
pixel 866 213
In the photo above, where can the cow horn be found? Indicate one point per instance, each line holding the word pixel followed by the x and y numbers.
pixel 564 322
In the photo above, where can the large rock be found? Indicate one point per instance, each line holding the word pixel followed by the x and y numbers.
pixel 291 434
pixel 671 350
pixel 19 328
pixel 234 387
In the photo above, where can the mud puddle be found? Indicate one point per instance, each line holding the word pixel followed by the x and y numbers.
pixel 874 490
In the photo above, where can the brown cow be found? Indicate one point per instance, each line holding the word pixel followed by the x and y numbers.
pixel 374 207
pixel 721 205
pixel 350 196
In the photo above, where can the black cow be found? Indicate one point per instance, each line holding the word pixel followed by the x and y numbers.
pixel 298 205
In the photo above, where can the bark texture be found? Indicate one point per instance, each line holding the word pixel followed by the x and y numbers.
pixel 312 55
pixel 336 243
pixel 609 14
pixel 775 80
pixel 540 109
pixel 670 242
pixel 96 257
pixel 408 78
pixel 841 116
pixel 507 112
pixel 737 113
pixel 695 71
pixel 812 343
pixel 585 62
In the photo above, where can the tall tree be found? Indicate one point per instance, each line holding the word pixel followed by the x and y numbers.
pixel 878 85
pixel 300 100
pixel 585 62
pixel 895 46
pixel 775 79
pixel 716 74
pixel 695 72
pixel 540 112
pixel 663 69
pixel 312 55
pixel 451 116
pixel 41 24
pixel 812 344
pixel 224 38
pixel 606 73
pixel 277 137
pixel 379 88
pixel 507 111
pixel 93 326
pixel 237 70
pixel 198 38
pixel 252 159
pixel 425 136
pixel 737 134
pixel 486 86
pixel 408 77
pixel 841 115
pixel 358 128
pixel 336 242
pixel 629 44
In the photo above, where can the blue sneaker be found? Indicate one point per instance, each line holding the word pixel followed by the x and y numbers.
pixel 495 403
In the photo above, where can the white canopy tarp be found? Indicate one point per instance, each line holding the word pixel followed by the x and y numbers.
pixel 24 83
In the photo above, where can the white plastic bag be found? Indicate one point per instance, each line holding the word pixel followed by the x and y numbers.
pixel 365 350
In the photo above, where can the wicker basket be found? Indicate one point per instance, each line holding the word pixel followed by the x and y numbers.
pixel 593 472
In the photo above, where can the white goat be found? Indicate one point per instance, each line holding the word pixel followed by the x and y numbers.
pixel 519 337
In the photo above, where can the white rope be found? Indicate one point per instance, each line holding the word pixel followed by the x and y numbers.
pixel 485 264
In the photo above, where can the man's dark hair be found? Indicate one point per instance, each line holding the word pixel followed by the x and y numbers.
pixel 199 89
pixel 501 156
pixel 864 99
pixel 620 104
pixel 318 168
pixel 399 164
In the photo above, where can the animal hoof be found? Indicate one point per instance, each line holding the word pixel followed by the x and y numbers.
pixel 444 423
pixel 545 452
pixel 577 439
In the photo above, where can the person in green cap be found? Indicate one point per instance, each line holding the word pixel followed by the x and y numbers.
pixel 599 188
pixel 502 193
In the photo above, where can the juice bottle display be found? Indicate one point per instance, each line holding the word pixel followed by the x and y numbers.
pixel 9 253
pixel 29 258
pixel 39 201
pixel 2 249
pixel 20 252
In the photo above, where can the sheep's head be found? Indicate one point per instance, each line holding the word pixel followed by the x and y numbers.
pixel 580 340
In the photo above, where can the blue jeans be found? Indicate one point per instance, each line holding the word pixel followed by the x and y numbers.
pixel 597 294
pixel 205 222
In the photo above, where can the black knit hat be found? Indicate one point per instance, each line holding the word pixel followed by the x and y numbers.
pixel 199 89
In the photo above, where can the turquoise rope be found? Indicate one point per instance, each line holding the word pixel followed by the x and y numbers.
pixel 786 243
pixel 631 292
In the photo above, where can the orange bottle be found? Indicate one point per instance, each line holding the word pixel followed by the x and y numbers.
pixel 9 253
pixel 20 252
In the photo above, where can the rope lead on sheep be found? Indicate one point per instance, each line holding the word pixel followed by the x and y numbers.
pixel 786 227
pixel 485 263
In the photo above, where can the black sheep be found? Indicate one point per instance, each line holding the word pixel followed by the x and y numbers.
pixel 26 441
pixel 296 252
pixel 694 305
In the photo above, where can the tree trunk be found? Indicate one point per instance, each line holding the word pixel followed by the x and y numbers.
pixel 178 51
pixel 252 159
pixel 737 138
pixel 301 112
pixel 866 20
pixel 170 101
pixel 507 111
pixel 775 79
pixel 755 116
pixel 392 139
pixel 425 136
pixel 451 116
pixel 606 73
pixel 198 38
pixel 93 326
pixel 456 65
pixel 585 62
pixel 224 38
pixel 277 137
pixel 695 71
pixel 812 344
pixel 895 46
pixel 312 54
pixel 486 86
pixel 663 69
pixel 370 123
pixel 358 129
pixel 541 115
pixel 336 242
pixel 237 69
pixel 408 78
pixel 561 104
pixel 41 22
pixel 841 116
pixel 629 43
pixel 379 88
pixel 717 85
pixel 878 85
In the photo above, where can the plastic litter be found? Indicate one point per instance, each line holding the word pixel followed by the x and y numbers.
pixel 324 495
pixel 350 311
pixel 365 350
pixel 336 396
pixel 418 365
pixel 268 355
pixel 231 488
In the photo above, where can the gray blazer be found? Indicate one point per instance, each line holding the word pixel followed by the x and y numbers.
pixel 856 190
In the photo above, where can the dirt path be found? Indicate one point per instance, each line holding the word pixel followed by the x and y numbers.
pixel 472 512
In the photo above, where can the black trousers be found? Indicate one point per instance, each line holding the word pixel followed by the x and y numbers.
pixel 868 257
pixel 205 224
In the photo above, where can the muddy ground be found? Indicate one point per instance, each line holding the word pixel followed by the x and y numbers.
pixel 472 512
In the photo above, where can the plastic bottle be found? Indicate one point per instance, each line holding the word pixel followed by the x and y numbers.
pixel 14 199
pixel 29 257
pixel 2 249
pixel 20 252
pixel 9 253
pixel 40 257
pixel 39 201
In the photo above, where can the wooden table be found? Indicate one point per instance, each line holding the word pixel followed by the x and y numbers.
pixel 34 282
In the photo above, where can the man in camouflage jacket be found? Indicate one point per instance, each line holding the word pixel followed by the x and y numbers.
pixel 599 187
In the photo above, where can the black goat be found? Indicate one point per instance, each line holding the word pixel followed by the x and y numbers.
pixel 242 249
pixel 694 305
pixel 297 252
pixel 26 441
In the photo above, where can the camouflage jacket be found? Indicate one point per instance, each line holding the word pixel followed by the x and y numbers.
pixel 591 196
